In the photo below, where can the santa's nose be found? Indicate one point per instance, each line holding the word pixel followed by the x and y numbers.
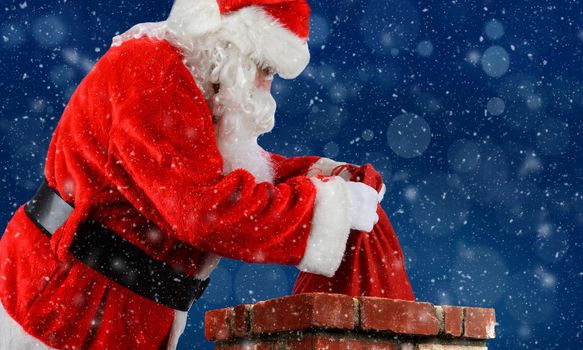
pixel 264 78
pixel 264 85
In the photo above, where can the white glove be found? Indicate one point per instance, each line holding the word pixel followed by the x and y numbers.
pixel 363 206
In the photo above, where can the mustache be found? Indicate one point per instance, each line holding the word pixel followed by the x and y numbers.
pixel 253 108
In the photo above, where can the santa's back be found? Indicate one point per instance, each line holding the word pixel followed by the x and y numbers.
pixel 51 294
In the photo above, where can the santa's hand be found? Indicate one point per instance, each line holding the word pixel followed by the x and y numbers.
pixel 363 206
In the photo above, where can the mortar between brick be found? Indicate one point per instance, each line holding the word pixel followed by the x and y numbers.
pixel 441 317
pixel 356 313
pixel 463 321
pixel 249 320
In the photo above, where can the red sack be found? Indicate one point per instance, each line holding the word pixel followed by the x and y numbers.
pixel 373 263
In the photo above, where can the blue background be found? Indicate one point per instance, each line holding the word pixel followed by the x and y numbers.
pixel 472 110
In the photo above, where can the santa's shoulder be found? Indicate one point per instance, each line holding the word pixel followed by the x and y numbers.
pixel 144 46
pixel 144 51
pixel 139 61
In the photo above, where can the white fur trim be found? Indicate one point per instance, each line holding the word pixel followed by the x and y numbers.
pixel 190 18
pixel 178 327
pixel 382 192
pixel 13 337
pixel 265 40
pixel 251 29
pixel 330 228
pixel 324 167
pixel 153 30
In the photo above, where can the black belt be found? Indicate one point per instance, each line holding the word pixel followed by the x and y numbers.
pixel 114 257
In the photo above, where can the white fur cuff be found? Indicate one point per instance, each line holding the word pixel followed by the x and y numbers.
pixel 330 228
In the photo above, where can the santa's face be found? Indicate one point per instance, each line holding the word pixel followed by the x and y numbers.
pixel 244 117
pixel 244 97
pixel 239 94
pixel 234 85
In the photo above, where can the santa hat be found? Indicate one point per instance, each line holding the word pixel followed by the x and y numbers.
pixel 274 33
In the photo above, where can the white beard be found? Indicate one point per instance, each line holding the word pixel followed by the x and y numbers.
pixel 240 149
pixel 245 112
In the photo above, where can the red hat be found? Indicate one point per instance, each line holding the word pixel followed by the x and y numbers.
pixel 272 32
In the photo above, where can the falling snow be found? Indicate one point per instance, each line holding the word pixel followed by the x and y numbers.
pixel 472 115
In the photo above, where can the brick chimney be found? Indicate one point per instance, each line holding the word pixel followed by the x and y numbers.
pixel 340 322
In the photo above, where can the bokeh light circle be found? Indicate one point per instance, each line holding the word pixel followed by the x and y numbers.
pixel 495 61
pixel 49 31
pixel 368 135
pixel 409 135
pixel 496 106
pixel 494 29
pixel 331 149
pixel 425 48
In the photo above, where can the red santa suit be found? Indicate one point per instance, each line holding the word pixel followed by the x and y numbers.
pixel 135 150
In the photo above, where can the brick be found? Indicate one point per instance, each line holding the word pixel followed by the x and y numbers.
pixel 449 347
pixel 398 316
pixel 318 342
pixel 453 320
pixel 479 323
pixel 217 324
pixel 303 311
pixel 240 322
pixel 424 326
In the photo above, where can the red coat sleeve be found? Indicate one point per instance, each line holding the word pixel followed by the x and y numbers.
pixel 287 168
pixel 164 159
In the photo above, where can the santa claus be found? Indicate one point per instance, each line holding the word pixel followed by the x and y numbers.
pixel 154 173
